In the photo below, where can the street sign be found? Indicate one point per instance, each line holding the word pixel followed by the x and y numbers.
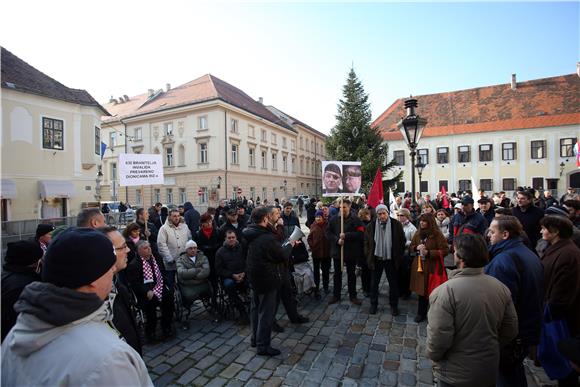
pixel 200 192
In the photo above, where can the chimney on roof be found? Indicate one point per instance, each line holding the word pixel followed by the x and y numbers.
pixel 150 92
pixel 112 100
pixel 261 101
pixel 514 83
pixel 121 100
pixel 167 86
pixel 126 97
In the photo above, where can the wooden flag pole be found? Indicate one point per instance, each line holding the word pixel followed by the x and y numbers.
pixel 341 231
pixel 144 206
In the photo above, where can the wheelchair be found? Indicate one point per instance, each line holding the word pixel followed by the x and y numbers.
pixel 227 308
pixel 183 311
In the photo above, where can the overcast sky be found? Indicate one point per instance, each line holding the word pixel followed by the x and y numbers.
pixel 296 55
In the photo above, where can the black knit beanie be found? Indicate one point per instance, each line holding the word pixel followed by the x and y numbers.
pixel 77 257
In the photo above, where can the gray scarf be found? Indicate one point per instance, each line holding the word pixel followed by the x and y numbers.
pixel 383 240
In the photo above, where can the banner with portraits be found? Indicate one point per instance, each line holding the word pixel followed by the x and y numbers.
pixel 341 178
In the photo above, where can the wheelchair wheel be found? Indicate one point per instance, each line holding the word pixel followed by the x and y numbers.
pixel 178 301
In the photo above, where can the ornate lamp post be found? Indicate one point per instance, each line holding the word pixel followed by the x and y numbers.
pixel 411 127
pixel 420 166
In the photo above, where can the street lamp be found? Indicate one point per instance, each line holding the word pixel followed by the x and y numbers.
pixel 420 166
pixel 285 188
pixel 411 127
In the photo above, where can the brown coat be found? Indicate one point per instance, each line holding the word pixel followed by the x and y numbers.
pixel 561 263
pixel 437 247
pixel 317 240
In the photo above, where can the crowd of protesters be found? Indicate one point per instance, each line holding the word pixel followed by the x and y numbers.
pixel 515 261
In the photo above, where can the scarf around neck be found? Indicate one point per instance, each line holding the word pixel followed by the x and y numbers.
pixel 383 240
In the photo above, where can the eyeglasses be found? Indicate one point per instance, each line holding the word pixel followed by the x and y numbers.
pixel 123 247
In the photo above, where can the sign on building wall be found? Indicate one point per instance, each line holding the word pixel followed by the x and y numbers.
pixel 341 178
pixel 140 169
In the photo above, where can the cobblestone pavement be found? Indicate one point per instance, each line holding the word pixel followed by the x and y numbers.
pixel 342 345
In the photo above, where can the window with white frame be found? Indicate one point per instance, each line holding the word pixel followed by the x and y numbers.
pixel 285 163
pixel 293 145
pixel 169 195
pixel 169 156
pixel 137 134
pixel 463 154
pixel 234 154
pixel 293 164
pixel 251 131
pixel 252 157
pixel 264 135
pixel 274 139
pixel 252 192
pixel 203 123
pixel 138 197
pixel 97 140
pixel 274 161
pixel 52 133
pixel 301 167
pixel 234 125
pixel 301 143
pixel 538 150
pixel 264 193
pixel 284 142
pixel 168 128
pixel 508 151
pixel 306 147
pixel 157 195
pixel 509 184
pixel 312 147
pixel 486 184
pixel 182 195
pixel 264 160
pixel 399 157
pixel 204 195
pixel 307 167
pixel 423 156
pixel 464 185
pixel 567 147
pixel 203 153
pixel 112 140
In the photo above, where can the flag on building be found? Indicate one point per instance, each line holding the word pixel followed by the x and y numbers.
pixel 103 149
pixel 474 193
pixel 376 193
pixel 444 196
pixel 577 151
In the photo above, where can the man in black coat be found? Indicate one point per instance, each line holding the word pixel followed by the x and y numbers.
pixel 123 317
pixel 351 239
pixel 192 217
pixel 148 279
pixel 528 215
pixel 232 223
pixel 384 249
pixel 21 267
pixel 264 264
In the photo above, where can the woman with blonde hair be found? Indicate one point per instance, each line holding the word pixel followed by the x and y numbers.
pixel 429 246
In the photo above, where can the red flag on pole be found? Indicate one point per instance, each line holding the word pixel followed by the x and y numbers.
pixel 444 195
pixel 376 194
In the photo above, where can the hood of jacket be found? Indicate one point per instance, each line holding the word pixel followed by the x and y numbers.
pixel 187 206
pixel 47 311
pixel 502 246
pixel 253 231
pixel 170 224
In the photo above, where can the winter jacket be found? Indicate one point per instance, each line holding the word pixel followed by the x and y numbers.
pixel 318 241
pixel 530 220
pixel 436 248
pixel 192 217
pixel 397 243
pixel 518 268
pixel 311 213
pixel 473 223
pixel 171 242
pixel 354 237
pixel 265 259
pixel 123 317
pixel 230 260
pixel 471 316
pixel 488 216
pixel 136 280
pixel 238 230
pixel 13 283
pixel 443 226
pixel 289 223
pixel 561 263
pixel 63 338
pixel 409 229
pixel 190 273
pixel 153 233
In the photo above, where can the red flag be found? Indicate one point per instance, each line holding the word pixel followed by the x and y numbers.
pixel 376 194
pixel 444 195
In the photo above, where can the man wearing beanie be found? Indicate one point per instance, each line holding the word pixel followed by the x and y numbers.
pixel 21 267
pixel 63 333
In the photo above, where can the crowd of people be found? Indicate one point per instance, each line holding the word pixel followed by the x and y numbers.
pixel 513 260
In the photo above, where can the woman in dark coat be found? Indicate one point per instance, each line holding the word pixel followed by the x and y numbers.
pixel 561 262
pixel 132 235
pixel 429 245
pixel 207 239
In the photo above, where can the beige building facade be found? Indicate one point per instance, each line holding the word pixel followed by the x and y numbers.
pixel 50 144
pixel 215 141
pixel 503 136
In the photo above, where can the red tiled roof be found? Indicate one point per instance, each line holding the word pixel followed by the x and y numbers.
pixel 534 104
pixel 19 75
pixel 203 89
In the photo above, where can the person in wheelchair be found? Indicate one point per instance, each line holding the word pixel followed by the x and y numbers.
pixel 193 274
pixel 231 269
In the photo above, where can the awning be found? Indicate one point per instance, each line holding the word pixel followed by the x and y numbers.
pixel 56 189
pixel 8 189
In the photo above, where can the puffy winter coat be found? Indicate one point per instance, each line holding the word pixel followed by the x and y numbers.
pixel 470 317
pixel 318 241
pixel 192 217
pixel 230 260
pixel 190 273
pixel 354 231
pixel 171 242
pixel 62 338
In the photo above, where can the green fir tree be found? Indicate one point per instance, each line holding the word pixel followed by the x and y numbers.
pixel 353 138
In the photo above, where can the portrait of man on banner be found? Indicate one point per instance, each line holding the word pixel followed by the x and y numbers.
pixel 331 178
pixel 351 178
